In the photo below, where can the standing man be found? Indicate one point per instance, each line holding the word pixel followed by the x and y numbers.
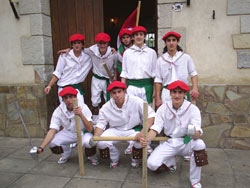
pixel 101 55
pixel 64 115
pixel 72 68
pixel 123 113
pixel 138 68
pixel 178 118
pixel 125 36
pixel 174 65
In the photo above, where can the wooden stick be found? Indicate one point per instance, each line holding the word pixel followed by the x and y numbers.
pixel 79 140
pixel 144 150
pixel 123 138
pixel 138 12
pixel 107 70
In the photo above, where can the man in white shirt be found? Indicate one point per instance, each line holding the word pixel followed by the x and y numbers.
pixel 123 113
pixel 138 68
pixel 101 54
pixel 64 115
pixel 178 118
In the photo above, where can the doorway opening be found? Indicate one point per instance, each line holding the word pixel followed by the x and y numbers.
pixel 115 14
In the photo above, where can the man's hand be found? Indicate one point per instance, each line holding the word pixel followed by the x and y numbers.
pixel 77 110
pixel 113 50
pixel 197 135
pixel 143 142
pixel 47 90
pixel 158 102
pixel 39 150
pixel 194 94
pixel 64 51
pixel 138 136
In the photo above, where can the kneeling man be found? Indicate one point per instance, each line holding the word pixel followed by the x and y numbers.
pixel 124 114
pixel 178 118
pixel 64 115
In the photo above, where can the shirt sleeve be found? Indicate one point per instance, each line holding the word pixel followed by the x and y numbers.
pixel 60 66
pixel 115 60
pixel 191 68
pixel 196 119
pixel 159 120
pixel 154 59
pixel 55 121
pixel 158 77
pixel 86 112
pixel 102 120
pixel 124 65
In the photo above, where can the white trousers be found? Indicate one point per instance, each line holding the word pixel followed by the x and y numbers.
pixel 80 97
pixel 97 87
pixel 114 152
pixel 64 138
pixel 165 95
pixel 137 91
pixel 166 151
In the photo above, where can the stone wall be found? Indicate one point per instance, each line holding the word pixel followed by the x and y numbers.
pixel 36 109
pixel 225 115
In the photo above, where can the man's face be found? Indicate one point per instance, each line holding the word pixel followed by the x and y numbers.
pixel 68 100
pixel 139 38
pixel 77 46
pixel 103 46
pixel 126 40
pixel 118 95
pixel 177 96
pixel 171 43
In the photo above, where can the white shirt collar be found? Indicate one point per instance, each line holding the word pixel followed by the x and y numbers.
pixel 96 51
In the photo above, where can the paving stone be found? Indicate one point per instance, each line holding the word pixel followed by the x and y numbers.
pixel 40 181
pixel 11 142
pixel 17 165
pixel 236 7
pixel 79 183
pixel 242 180
pixel 245 24
pixel 243 58
pixel 5 151
pixel 8 178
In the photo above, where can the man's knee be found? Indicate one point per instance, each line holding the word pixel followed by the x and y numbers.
pixel 199 144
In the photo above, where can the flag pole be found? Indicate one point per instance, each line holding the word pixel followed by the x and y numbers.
pixel 138 12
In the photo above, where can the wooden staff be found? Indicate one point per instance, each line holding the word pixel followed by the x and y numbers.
pixel 124 138
pixel 107 70
pixel 79 140
pixel 144 150
pixel 138 12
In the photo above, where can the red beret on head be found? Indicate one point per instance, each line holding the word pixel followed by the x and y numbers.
pixel 171 33
pixel 68 90
pixel 179 84
pixel 116 84
pixel 76 37
pixel 125 31
pixel 102 37
pixel 138 29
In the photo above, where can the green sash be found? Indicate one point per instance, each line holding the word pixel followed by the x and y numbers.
pixel 138 128
pixel 76 86
pixel 147 83
pixel 107 84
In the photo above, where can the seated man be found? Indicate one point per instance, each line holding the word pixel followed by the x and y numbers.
pixel 64 115
pixel 123 113
pixel 178 118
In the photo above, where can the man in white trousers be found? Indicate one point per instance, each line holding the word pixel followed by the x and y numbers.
pixel 123 113
pixel 178 118
pixel 72 68
pixel 64 115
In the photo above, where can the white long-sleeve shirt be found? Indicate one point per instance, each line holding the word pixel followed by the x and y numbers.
pixel 72 70
pixel 180 67
pixel 139 63
pixel 62 117
pixel 98 60
pixel 175 122
pixel 125 118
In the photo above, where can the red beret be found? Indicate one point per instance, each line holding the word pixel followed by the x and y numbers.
pixel 116 84
pixel 76 37
pixel 139 28
pixel 171 33
pixel 125 31
pixel 180 84
pixel 102 37
pixel 68 90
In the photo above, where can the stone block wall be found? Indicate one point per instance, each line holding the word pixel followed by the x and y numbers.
pixel 33 105
pixel 225 115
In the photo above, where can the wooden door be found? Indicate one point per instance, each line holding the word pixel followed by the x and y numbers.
pixel 76 16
